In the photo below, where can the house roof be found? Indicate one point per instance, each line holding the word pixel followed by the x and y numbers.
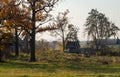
pixel 72 44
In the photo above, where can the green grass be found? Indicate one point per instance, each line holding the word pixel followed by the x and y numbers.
pixel 60 65
pixel 38 69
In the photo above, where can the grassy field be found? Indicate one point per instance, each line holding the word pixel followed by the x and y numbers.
pixel 37 69
pixel 58 66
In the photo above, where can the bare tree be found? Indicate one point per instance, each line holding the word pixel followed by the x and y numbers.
pixel 61 20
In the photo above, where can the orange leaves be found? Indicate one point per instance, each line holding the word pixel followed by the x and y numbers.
pixel 48 28
pixel 3 13
pixel 39 16
pixel 21 15
pixel 14 15
pixel 6 9
pixel 38 4
pixel 6 26
pixel 0 32
pixel 23 23
pixel 5 38
pixel 28 25
pixel 7 23
pixel 4 1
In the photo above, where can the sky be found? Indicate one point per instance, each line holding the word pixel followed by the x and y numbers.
pixel 79 10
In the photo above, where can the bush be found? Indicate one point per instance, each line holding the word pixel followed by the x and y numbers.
pixel 113 51
pixel 73 58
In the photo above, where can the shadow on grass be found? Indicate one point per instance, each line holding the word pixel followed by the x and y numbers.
pixel 23 57
pixel 39 67
pixel 52 67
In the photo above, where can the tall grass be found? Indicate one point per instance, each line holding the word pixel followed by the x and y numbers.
pixel 74 58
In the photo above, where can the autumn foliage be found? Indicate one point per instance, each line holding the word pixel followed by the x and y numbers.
pixel 27 15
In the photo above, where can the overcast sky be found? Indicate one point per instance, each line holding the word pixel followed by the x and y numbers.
pixel 79 10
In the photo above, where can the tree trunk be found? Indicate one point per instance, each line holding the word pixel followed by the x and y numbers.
pixel 96 43
pixel 1 55
pixel 32 46
pixel 27 44
pixel 32 41
pixel 63 44
pixel 16 43
pixel 63 38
